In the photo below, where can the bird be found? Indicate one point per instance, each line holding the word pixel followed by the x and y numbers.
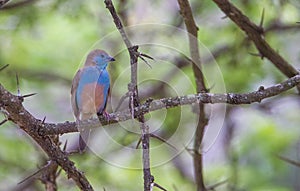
pixel 90 90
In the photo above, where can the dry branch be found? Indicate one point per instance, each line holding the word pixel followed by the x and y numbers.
pixel 15 5
pixel 187 14
pixel 12 107
pixel 256 34
pixel 154 105
pixel 133 94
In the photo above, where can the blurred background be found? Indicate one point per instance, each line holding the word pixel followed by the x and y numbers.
pixel 45 43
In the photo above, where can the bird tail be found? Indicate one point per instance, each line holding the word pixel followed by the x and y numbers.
pixel 83 139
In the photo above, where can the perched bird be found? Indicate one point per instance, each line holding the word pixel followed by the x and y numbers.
pixel 90 90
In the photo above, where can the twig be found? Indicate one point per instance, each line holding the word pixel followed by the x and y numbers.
pixel 35 173
pixel 254 32
pixel 290 161
pixel 138 143
pixel 21 117
pixel 4 121
pixel 118 23
pixel 16 5
pixel 171 102
pixel 162 140
pixel 133 92
pixel 49 175
pixel 192 29
pixel 3 67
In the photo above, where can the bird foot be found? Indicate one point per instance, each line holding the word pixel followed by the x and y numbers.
pixel 106 116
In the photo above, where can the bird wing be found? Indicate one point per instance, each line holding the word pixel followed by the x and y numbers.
pixel 102 91
pixel 75 83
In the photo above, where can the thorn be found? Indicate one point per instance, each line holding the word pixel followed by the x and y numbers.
pixel 152 178
pixel 190 151
pixel 27 178
pixel 58 172
pixel 158 186
pixel 209 89
pixel 35 173
pixel 261 88
pixel 3 67
pixel 138 143
pixel 44 119
pixel 224 17
pixel 28 95
pixel 254 54
pixel 162 140
pixel 65 145
pixel 145 60
pixel 4 121
pixel 257 54
pixel 212 187
pixel 147 56
pixel 18 85
pixel 262 18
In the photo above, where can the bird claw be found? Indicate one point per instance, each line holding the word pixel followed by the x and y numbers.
pixel 106 116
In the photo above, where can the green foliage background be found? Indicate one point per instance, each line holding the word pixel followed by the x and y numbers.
pixel 46 42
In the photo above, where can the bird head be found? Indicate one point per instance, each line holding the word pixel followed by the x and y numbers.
pixel 98 58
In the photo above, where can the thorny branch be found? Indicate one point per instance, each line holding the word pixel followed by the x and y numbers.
pixel 256 34
pixel 187 14
pixel 154 105
pixel 134 98
pixel 14 111
pixel 12 107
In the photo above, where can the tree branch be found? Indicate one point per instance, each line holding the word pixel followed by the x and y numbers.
pixel 154 105
pixel 3 2
pixel 15 5
pixel 187 14
pixel 134 98
pixel 12 107
pixel 255 33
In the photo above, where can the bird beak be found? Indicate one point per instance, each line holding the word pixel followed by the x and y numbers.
pixel 112 59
